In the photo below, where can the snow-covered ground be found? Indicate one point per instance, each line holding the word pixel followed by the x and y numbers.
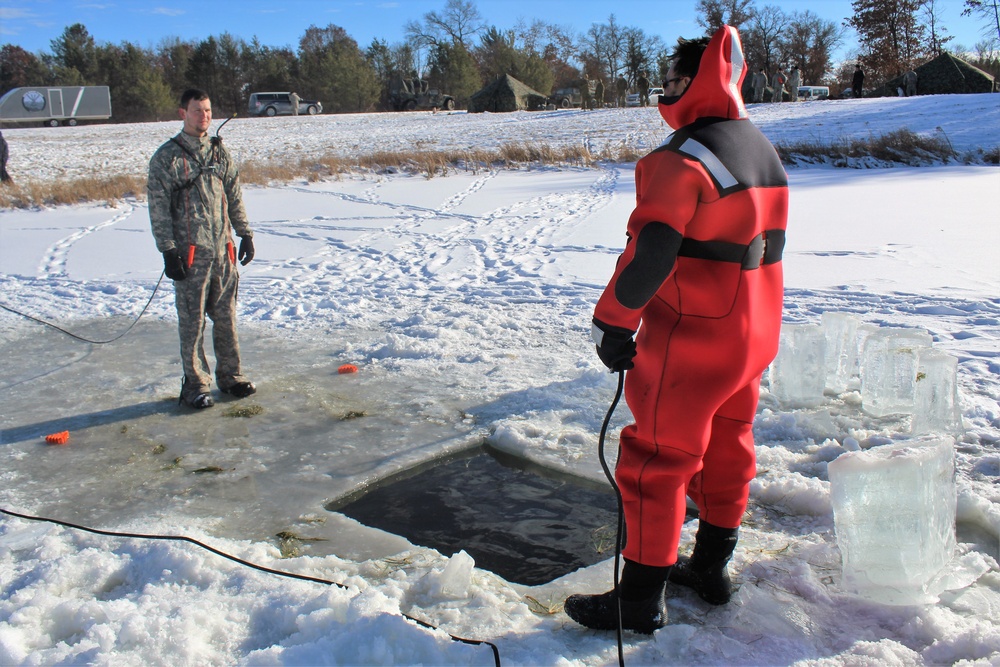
pixel 465 301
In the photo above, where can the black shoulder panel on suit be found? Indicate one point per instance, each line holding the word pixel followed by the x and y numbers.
pixel 734 152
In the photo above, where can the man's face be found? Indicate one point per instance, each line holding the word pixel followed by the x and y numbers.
pixel 197 117
pixel 675 85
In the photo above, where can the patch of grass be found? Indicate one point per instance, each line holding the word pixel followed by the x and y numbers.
pixel 896 147
pixel 109 189
pixel 547 608
pixel 243 411
pixel 352 414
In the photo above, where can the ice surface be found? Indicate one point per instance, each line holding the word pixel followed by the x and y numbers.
pixel 894 514
pixel 797 376
pixel 936 397
pixel 841 330
pixel 889 369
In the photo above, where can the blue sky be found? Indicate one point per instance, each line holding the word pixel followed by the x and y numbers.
pixel 34 24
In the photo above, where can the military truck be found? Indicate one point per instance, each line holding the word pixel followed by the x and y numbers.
pixel 411 94
pixel 572 97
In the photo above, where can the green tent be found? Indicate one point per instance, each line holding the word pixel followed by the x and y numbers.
pixel 506 94
pixel 945 74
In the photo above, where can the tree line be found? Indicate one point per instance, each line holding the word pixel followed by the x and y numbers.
pixel 456 51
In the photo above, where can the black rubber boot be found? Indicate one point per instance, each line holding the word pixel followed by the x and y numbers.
pixel 643 602
pixel 706 571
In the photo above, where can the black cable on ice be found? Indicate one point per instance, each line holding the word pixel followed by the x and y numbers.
pixel 621 510
pixel 81 338
pixel 261 568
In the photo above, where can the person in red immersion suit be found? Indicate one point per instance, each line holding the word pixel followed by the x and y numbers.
pixel 701 272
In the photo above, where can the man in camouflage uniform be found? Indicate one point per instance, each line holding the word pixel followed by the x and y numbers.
pixel 195 203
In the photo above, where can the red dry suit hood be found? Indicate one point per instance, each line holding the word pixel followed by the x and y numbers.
pixel 714 92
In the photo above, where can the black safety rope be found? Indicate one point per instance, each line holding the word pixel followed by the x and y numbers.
pixel 261 568
pixel 81 338
pixel 621 510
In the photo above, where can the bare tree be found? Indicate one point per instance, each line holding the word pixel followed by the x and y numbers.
pixel 457 24
pixel 989 11
pixel 937 33
pixel 762 39
pixel 711 14
pixel 808 43
pixel 604 45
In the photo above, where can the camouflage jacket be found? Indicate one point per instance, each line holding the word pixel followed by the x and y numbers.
pixel 195 196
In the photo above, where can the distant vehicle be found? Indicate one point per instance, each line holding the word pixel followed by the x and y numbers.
pixel 54 105
pixel 278 104
pixel 653 95
pixel 567 98
pixel 807 93
pixel 572 96
pixel 412 94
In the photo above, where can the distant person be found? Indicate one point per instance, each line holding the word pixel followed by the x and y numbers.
pixel 794 80
pixel 910 83
pixel 758 83
pixel 700 279
pixel 195 204
pixel 643 84
pixel 621 87
pixel 294 99
pixel 4 155
pixel 777 85
pixel 858 82
pixel 599 94
pixel 586 101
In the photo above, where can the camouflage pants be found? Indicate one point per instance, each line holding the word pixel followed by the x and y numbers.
pixel 210 288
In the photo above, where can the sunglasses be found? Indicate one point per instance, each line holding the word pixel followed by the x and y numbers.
pixel 667 82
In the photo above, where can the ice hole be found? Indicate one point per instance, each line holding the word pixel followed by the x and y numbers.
pixel 526 523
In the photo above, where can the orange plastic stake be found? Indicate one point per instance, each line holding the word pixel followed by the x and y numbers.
pixel 190 255
pixel 60 438
pixel 347 368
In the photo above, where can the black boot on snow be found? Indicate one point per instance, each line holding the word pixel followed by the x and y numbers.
pixel 706 571
pixel 643 602
pixel 240 389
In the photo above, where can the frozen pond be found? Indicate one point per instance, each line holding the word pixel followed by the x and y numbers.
pixel 134 452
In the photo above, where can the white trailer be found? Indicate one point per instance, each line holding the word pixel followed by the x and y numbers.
pixel 54 105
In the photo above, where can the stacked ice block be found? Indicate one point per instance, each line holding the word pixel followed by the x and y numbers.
pixel 797 375
pixel 894 515
pixel 889 370
pixel 897 371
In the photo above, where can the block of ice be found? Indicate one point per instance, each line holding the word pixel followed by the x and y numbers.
pixel 936 408
pixel 894 516
pixel 457 576
pixel 889 369
pixel 841 331
pixel 797 375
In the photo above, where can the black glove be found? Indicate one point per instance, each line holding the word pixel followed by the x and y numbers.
pixel 616 347
pixel 246 250
pixel 173 266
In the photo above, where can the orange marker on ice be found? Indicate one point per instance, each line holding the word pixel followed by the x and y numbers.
pixel 60 438
pixel 347 368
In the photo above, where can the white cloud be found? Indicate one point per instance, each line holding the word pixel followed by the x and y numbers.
pixel 12 13
pixel 166 11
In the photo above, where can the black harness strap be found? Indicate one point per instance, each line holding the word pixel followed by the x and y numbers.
pixel 212 169
pixel 765 248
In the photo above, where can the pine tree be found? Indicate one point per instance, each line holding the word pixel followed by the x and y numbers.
pixel 890 35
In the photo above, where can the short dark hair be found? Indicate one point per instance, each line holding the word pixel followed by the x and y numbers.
pixel 192 94
pixel 687 56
